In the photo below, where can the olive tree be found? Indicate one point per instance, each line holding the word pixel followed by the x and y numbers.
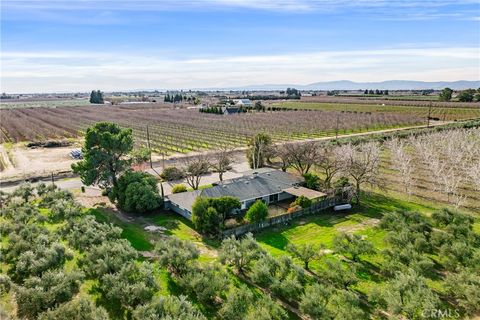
pixel 52 288
pixel 168 307
pixel 406 295
pixel 107 258
pixel 176 254
pixel 132 285
pixel 240 252
pixel 304 252
pixel 80 308
pixel 353 245
pixel 463 286
pixel 315 300
pixel 266 309
pixel 237 304
pixel 206 282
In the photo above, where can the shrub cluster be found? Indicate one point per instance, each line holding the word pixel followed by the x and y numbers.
pixel 172 173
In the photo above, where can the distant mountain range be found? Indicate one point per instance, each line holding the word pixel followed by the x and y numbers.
pixel 351 85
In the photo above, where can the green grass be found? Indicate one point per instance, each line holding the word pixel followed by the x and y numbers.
pixel 322 228
pixel 130 231
pixel 201 187
pixel 176 225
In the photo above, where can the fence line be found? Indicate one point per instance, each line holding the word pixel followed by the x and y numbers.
pixel 253 227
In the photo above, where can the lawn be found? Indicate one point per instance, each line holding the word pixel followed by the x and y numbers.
pixel 322 228
pixel 131 231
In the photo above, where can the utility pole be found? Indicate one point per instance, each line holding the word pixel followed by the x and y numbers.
pixel 429 113
pixel 53 180
pixel 336 127
pixel 151 163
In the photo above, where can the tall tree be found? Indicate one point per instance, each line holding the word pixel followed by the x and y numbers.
pixel 446 94
pixel 466 95
pixel 104 155
pixel 259 150
pixel 96 97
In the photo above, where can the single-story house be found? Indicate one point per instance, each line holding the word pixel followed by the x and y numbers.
pixel 243 102
pixel 266 184
pixel 230 110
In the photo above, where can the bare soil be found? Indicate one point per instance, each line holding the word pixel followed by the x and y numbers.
pixel 29 162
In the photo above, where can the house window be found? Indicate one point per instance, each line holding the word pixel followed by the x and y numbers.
pixel 273 198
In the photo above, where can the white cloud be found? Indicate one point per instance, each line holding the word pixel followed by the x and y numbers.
pixel 284 5
pixel 78 71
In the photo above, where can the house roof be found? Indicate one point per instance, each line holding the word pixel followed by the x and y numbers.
pixel 301 191
pixel 231 109
pixel 250 186
pixel 243 101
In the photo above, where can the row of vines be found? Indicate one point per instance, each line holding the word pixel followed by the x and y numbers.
pixel 183 130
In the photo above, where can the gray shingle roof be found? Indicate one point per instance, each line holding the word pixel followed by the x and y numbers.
pixel 251 186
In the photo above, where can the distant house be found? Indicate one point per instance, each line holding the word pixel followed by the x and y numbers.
pixel 243 103
pixel 266 184
pixel 231 110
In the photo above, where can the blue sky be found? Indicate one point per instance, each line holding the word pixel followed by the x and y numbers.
pixel 78 45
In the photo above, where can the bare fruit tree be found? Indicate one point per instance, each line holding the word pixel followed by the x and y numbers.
pixel 196 166
pixel 283 153
pixel 474 171
pixel 402 161
pixel 329 161
pixel 222 160
pixel 451 160
pixel 361 164
pixel 302 156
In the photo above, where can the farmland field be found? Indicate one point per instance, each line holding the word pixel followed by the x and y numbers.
pixel 442 113
pixel 391 100
pixel 393 97
pixel 54 103
pixel 184 130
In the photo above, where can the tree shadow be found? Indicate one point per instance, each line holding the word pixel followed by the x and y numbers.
pixel 368 271
pixel 274 238
pixel 112 306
